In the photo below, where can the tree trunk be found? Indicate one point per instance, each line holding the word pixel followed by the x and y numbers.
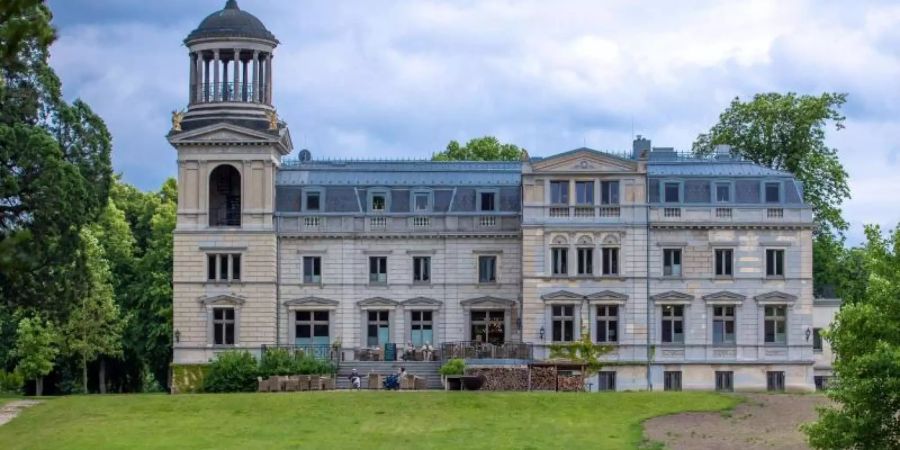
pixel 84 379
pixel 102 376
pixel 38 386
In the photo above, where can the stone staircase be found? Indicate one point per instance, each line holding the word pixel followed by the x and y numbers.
pixel 425 369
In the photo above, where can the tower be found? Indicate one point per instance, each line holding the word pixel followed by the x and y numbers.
pixel 229 142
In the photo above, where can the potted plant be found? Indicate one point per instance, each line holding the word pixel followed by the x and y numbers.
pixel 455 367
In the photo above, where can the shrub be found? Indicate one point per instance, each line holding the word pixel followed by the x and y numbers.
pixel 455 366
pixel 277 361
pixel 188 378
pixel 11 382
pixel 232 371
pixel 308 365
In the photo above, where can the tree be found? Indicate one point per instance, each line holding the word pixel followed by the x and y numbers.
pixel 23 21
pixel 36 350
pixel 486 148
pixel 787 132
pixel 95 326
pixel 866 340
pixel 583 351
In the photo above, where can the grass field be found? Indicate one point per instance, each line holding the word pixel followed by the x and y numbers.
pixel 347 420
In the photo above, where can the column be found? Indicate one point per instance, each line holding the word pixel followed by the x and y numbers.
pixel 193 71
pixel 256 97
pixel 237 68
pixel 206 80
pixel 198 77
pixel 226 88
pixel 216 85
pixel 269 78
pixel 246 84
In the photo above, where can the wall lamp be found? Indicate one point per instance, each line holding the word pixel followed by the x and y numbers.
pixel 542 333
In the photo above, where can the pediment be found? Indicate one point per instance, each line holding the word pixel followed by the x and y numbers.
pixel 672 297
pixel 584 160
pixel 311 301
pixel 607 296
pixel 724 297
pixel 488 302
pixel 562 295
pixel 222 300
pixel 231 134
pixel 421 301
pixel 776 297
pixel 377 301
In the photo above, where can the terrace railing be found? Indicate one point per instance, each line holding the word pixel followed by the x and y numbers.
pixel 484 350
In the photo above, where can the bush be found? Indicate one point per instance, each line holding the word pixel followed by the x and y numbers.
pixel 455 366
pixel 276 361
pixel 188 378
pixel 308 365
pixel 11 382
pixel 232 371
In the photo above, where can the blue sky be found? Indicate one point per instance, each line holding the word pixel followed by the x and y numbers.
pixel 402 78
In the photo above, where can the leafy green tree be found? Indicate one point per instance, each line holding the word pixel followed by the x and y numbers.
pixel 23 21
pixel 583 351
pixel 866 340
pixel 95 326
pixel 787 132
pixel 486 148
pixel 36 349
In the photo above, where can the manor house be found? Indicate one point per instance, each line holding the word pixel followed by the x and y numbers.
pixel 696 271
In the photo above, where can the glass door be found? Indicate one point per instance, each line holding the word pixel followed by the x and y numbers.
pixel 488 326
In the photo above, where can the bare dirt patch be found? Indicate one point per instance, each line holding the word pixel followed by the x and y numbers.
pixel 763 421
pixel 10 410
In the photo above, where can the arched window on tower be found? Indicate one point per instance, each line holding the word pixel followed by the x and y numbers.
pixel 225 197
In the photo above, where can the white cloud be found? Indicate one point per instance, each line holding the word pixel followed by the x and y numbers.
pixel 402 78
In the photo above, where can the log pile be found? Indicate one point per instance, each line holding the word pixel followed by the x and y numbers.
pixel 543 378
pixel 502 378
pixel 571 383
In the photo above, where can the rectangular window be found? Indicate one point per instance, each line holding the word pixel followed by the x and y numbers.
pixel 775 381
pixel 773 192
pixel 672 262
pixel 584 192
pixel 817 339
pixel 723 325
pixel 775 325
pixel 671 192
pixel 488 201
pixel 673 324
pixel 585 261
pixel 563 323
pixel 672 380
pixel 723 192
pixel 223 326
pixel 420 201
pixel 724 262
pixel 379 202
pixel 609 192
pixel 821 382
pixel 312 269
pixel 725 381
pixel 487 269
pixel 606 381
pixel 379 328
pixel 311 328
pixel 312 201
pixel 610 260
pixel 774 263
pixel 560 256
pixel 559 192
pixel 422 328
pixel 223 266
pixel 607 323
pixel 421 269
pixel 378 269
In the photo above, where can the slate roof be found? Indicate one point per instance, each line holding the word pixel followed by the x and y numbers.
pixel 399 173
pixel 711 169
pixel 231 21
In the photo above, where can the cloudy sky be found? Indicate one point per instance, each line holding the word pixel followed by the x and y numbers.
pixel 402 78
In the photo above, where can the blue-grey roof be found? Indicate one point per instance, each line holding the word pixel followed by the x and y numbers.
pixel 399 173
pixel 711 169
pixel 231 22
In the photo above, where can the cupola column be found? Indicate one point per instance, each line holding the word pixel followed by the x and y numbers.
pixel 269 78
pixel 206 80
pixel 192 86
pixel 237 69
pixel 198 77
pixel 215 87
pixel 255 75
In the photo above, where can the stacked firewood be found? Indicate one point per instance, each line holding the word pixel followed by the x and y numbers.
pixel 502 378
pixel 543 378
pixel 571 383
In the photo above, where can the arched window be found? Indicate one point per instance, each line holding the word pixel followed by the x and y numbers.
pixel 225 197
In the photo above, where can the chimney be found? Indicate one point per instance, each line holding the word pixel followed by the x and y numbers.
pixel 640 148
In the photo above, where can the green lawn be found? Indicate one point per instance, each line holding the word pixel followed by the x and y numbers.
pixel 349 420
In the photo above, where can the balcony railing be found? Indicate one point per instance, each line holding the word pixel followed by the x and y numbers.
pixel 323 352
pixel 736 214
pixel 225 217
pixel 483 350
pixel 227 92
pixel 319 222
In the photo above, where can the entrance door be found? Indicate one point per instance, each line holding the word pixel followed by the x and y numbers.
pixel 488 326
pixel 379 329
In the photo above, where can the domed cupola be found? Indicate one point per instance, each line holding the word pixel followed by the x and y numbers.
pixel 230 71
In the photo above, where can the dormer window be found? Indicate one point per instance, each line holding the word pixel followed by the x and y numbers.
pixel 723 192
pixel 379 202
pixel 487 200
pixel 672 192
pixel 559 192
pixel 312 201
pixel 773 192
pixel 421 201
